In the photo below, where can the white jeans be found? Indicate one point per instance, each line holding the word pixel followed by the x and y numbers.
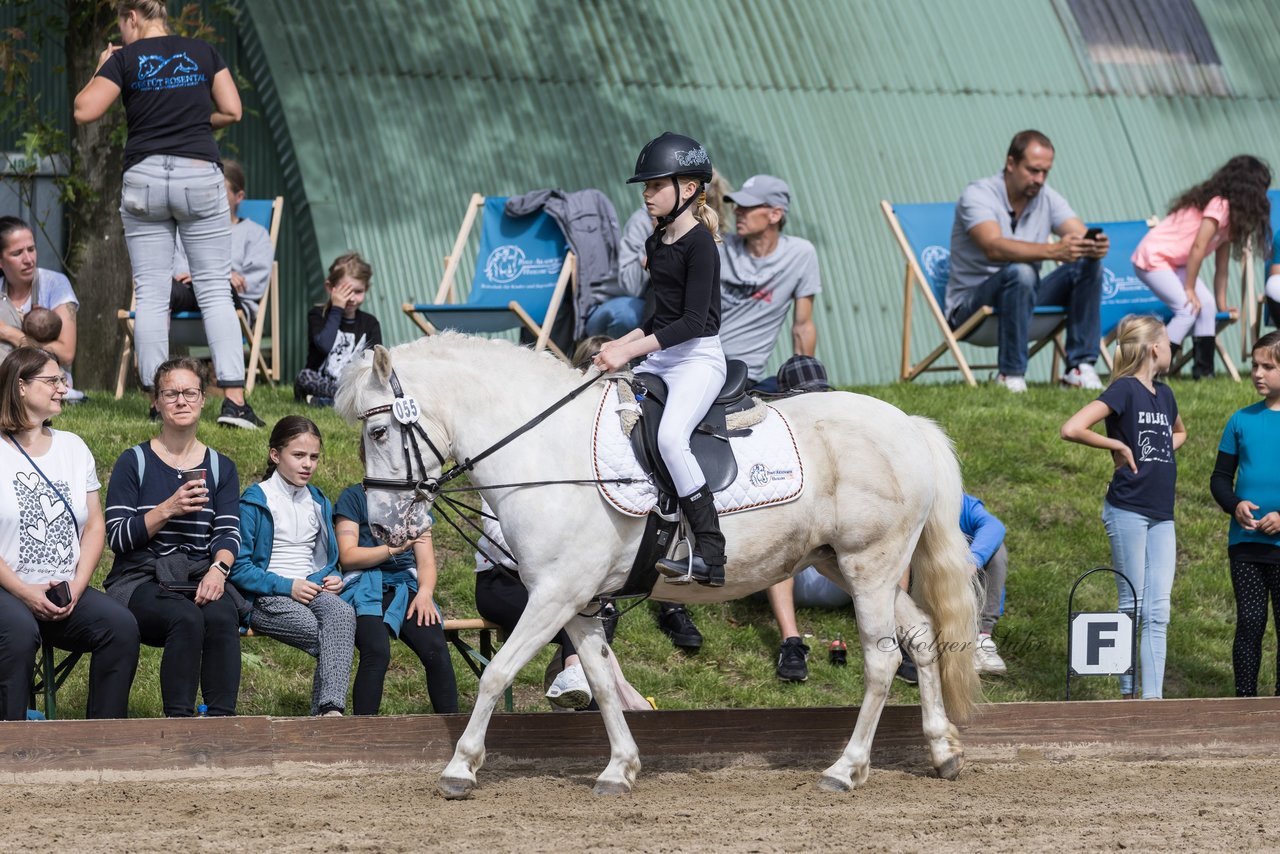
pixel 163 196
pixel 694 373
pixel 1168 286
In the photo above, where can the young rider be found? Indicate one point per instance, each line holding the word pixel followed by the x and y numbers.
pixel 681 340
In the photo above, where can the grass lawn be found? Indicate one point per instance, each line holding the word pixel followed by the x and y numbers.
pixel 1047 492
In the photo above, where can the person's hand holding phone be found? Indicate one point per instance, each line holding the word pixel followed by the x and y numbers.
pixel 1098 243
pixel 36 598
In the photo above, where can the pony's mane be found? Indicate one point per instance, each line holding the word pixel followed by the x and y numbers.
pixel 512 362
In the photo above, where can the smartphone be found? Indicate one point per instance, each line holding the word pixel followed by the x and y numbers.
pixel 1093 233
pixel 59 594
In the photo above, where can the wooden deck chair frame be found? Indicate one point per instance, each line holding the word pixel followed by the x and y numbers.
pixel 914 279
pixel 269 366
pixel 1187 354
pixel 447 292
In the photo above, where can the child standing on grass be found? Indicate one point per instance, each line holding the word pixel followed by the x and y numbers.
pixel 1228 212
pixel 288 563
pixel 1246 484
pixel 1143 432
pixel 337 331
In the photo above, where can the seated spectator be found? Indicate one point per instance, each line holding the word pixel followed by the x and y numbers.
pixel 391 590
pixel 287 565
pixel 998 241
pixel 337 331
pixel 173 522
pixel 25 287
pixel 252 256
pixel 51 533
pixel 1272 288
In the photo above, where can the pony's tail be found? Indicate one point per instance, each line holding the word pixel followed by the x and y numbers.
pixel 941 579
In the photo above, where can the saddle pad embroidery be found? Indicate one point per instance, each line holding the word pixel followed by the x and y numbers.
pixel 769 467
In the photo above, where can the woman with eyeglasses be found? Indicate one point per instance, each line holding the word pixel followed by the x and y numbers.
pixel 173 521
pixel 51 536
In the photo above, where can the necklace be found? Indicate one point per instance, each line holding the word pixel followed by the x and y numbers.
pixel 181 460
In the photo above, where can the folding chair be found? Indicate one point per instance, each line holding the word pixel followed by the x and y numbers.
pixel 923 233
pixel 1123 293
pixel 1253 305
pixel 186 328
pixel 523 269
pixel 49 676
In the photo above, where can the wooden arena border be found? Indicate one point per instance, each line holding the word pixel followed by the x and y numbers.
pixel 1157 728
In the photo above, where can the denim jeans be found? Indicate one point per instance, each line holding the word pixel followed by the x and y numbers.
pixel 1145 551
pixel 163 196
pixel 1017 289
pixel 615 316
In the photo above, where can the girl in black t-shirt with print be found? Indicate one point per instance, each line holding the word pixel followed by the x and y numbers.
pixel 337 331
pixel 681 340
pixel 1143 432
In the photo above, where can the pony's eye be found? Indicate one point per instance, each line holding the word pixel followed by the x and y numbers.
pixel 377 434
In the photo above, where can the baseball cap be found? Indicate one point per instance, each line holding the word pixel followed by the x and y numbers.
pixel 802 373
pixel 762 190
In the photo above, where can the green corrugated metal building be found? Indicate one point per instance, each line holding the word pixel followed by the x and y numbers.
pixel 378 120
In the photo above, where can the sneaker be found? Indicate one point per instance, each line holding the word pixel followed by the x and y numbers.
pixel 238 416
pixel 1082 376
pixel 793 661
pixel 907 669
pixel 985 657
pixel 1017 385
pixel 570 690
pixel 675 623
pixel 332 713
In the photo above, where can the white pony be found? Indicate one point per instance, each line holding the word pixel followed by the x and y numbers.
pixel 882 493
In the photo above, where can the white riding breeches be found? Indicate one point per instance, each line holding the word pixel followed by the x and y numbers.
pixel 1168 285
pixel 694 373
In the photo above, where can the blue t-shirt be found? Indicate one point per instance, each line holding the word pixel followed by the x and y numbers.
pixel 1143 421
pixel 1253 435
pixel 352 505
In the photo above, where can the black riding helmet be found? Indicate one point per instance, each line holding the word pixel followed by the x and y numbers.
pixel 669 156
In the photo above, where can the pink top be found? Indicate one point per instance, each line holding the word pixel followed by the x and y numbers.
pixel 1167 246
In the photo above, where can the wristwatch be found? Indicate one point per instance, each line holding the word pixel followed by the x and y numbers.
pixel 221 567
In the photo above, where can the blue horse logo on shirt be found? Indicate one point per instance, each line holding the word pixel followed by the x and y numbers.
pixel 153 65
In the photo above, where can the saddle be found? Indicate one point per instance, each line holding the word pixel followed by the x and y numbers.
pixel 710 439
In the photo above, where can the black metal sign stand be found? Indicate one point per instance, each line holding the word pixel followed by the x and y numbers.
pixel 1072 614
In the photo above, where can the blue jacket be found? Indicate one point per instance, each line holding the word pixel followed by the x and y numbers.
pixel 984 532
pixel 251 574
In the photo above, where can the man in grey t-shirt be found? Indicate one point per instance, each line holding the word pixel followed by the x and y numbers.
pixel 763 272
pixel 998 241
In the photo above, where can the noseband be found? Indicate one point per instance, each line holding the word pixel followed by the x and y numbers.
pixel 408 415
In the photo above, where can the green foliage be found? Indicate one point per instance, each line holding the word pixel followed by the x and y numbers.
pixel 1047 492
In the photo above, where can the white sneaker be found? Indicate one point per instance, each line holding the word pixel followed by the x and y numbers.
pixel 1082 376
pixel 1017 385
pixel 570 690
pixel 985 657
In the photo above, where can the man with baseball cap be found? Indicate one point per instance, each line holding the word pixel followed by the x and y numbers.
pixel 763 273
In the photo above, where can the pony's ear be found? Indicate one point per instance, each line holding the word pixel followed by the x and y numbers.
pixel 381 363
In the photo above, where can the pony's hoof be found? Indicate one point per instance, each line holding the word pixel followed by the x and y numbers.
pixel 611 787
pixel 455 788
pixel 828 783
pixel 951 769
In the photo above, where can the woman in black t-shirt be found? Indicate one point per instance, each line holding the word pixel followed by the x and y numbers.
pixel 681 340
pixel 176 91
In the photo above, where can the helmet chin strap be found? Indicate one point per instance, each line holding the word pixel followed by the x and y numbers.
pixel 664 221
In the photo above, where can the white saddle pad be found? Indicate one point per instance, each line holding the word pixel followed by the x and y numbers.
pixel 769 467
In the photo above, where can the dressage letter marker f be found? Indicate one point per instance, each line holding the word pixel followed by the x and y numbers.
pixel 1101 643
pixel 1096 642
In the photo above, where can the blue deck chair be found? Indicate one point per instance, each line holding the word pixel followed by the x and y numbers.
pixel 1123 293
pixel 923 233
pixel 186 328
pixel 523 269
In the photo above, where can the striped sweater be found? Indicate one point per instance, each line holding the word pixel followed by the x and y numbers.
pixel 204 533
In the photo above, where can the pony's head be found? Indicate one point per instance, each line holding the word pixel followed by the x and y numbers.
pixel 402 457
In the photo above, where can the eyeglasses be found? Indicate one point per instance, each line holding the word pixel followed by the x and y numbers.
pixel 53 380
pixel 171 395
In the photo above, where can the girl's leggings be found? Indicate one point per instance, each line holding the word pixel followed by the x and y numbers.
pixel 373 640
pixel 694 372
pixel 1168 286
pixel 1252 583
pixel 325 629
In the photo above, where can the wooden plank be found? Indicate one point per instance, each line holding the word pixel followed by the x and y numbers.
pixel 1168 726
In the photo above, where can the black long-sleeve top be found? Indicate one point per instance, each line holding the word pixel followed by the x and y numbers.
pixel 684 278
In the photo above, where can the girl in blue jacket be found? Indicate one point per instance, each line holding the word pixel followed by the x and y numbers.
pixel 287 566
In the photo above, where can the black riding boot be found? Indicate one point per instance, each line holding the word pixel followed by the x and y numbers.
pixel 1203 354
pixel 708 552
pixel 1273 309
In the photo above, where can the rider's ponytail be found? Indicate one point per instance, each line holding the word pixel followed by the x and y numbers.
pixel 707 215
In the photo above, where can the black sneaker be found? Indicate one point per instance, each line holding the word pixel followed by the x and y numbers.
pixel 238 416
pixel 675 622
pixel 907 669
pixel 793 661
